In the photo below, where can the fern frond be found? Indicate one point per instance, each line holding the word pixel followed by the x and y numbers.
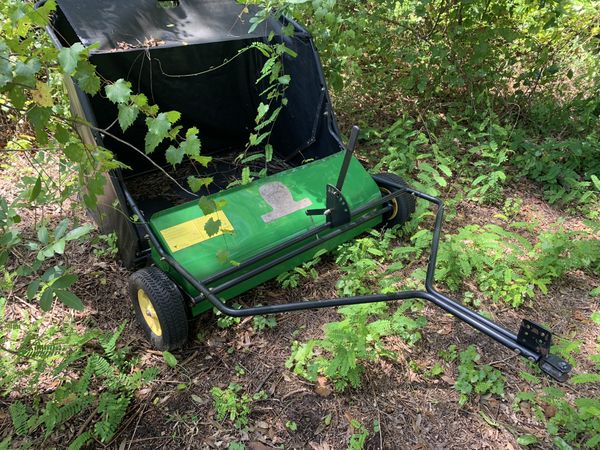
pixel 101 366
pixel 109 344
pixel 20 417
pixel 113 408
pixel 80 441
pixel 40 351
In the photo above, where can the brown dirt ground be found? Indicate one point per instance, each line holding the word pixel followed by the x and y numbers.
pixel 414 410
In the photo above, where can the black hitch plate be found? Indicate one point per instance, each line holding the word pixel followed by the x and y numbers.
pixel 534 337
pixel 537 338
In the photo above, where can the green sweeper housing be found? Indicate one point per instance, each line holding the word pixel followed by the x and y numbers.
pixel 197 251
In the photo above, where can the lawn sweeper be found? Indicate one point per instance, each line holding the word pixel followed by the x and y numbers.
pixel 195 251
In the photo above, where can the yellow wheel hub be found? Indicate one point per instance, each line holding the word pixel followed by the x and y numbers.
pixel 394 204
pixel 149 313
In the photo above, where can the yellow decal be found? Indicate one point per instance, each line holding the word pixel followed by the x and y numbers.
pixel 193 232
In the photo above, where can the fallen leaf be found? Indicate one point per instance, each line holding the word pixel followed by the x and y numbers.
pixel 199 400
pixel 321 446
pixel 549 410
pixel 262 424
pixel 448 379
pixel 258 446
pixel 322 387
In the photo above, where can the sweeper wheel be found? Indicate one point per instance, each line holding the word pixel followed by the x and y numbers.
pixel 159 308
pixel 403 205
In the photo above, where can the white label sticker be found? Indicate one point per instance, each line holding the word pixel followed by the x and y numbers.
pixel 280 198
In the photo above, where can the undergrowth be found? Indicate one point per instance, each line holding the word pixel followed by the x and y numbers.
pixel 96 378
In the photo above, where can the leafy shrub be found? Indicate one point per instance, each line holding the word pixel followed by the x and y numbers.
pixel 476 379
pixel 355 340
pixel 505 265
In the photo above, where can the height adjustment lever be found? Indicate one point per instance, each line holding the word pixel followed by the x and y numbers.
pixel 347 157
pixel 337 210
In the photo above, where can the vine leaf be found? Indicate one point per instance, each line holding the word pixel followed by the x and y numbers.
pixel 69 56
pixel 73 152
pixel 191 145
pixel 174 155
pixel 246 175
pixel 127 115
pixel 119 91
pixel 212 227
pixel 25 72
pixel 262 110
pixel 42 95
pixel 158 128
pixel 207 205
pixel 198 183
pixel 87 78
pixel 203 160
pixel 39 117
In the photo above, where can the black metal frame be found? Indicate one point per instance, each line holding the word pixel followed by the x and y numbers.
pixel 534 351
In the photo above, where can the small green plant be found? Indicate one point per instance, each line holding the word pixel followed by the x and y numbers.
pixel 239 370
pixel 435 371
pixel 236 446
pixel 511 208
pixel 566 348
pixel 306 271
pixel 505 265
pixel 450 354
pixel 261 323
pixel 105 245
pixel 233 404
pixel 353 341
pixel 361 262
pixel 224 321
pixel 291 425
pixel 359 438
pixel 474 378
pixel 577 424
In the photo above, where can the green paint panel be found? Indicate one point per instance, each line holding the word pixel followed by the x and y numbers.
pixel 257 224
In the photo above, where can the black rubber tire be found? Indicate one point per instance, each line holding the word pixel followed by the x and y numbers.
pixel 404 205
pixel 168 304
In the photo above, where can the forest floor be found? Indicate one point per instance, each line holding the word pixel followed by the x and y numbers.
pixel 412 408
